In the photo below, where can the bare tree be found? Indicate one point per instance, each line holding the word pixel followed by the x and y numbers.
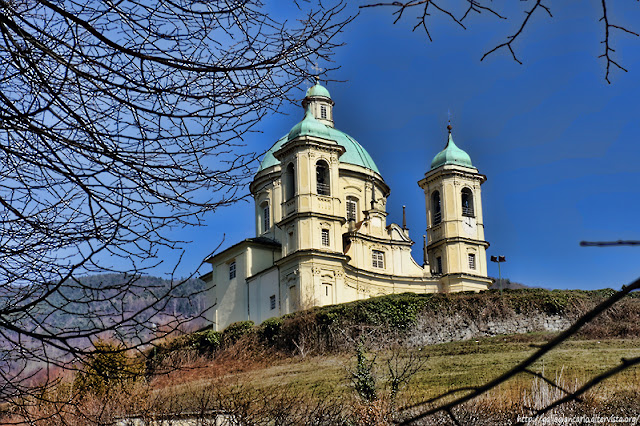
pixel 460 12
pixel 120 121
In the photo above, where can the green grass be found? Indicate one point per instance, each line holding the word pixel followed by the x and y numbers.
pixel 453 365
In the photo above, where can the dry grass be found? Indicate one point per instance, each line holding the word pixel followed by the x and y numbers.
pixel 448 366
pixel 258 384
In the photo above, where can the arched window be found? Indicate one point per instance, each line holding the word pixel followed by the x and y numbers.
pixel 290 182
pixel 352 208
pixel 322 178
pixel 436 208
pixel 266 216
pixel 467 202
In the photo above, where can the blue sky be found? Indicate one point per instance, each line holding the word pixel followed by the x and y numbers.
pixel 560 147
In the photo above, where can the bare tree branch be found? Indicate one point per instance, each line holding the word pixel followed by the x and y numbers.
pixel 607 43
pixel 120 121
pixel 524 365
pixel 478 7
pixel 610 243
pixel 512 38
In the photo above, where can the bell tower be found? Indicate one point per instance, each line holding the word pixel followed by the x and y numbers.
pixel 456 248
pixel 311 210
pixel 311 213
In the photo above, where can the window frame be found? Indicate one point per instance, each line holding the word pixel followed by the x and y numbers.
pixel 472 261
pixel 325 237
pixel 323 179
pixel 436 208
pixel 266 216
pixel 469 210
pixel 272 302
pixel 290 182
pixel 352 202
pixel 233 269
pixel 377 259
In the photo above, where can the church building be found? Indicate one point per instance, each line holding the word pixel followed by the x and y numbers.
pixel 321 228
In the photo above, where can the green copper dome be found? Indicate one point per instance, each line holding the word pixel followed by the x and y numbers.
pixel 309 126
pixel 451 154
pixel 318 90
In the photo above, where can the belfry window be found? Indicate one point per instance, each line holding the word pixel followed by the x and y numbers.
pixel 323 112
pixel 322 178
pixel 467 202
pixel 290 182
pixel 352 208
pixel 436 208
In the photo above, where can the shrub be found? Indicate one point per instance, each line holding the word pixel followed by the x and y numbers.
pixel 270 329
pixel 235 331
pixel 206 342
pixel 108 368
pixel 362 377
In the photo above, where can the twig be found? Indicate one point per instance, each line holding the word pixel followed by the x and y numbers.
pixel 609 243
pixel 607 47
pixel 524 365
pixel 513 37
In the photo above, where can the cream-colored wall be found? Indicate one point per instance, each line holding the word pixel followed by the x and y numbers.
pixel 229 296
pixel 311 274
pixel 457 235
pixel 261 288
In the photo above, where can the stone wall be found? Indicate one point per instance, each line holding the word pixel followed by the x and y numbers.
pixel 438 328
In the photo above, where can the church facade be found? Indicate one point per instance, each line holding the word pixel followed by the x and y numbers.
pixel 321 231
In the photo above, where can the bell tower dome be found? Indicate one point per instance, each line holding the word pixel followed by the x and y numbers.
pixel 456 248
pixel 318 101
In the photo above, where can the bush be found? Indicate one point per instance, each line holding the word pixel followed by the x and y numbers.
pixel 364 382
pixel 206 342
pixel 237 330
pixel 270 329
pixel 109 368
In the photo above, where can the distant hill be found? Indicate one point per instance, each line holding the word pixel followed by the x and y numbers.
pixel 506 283
pixel 100 301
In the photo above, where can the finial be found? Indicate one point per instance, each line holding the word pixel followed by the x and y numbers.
pixel 373 195
pixel 425 257
pixel 404 218
pixel 318 71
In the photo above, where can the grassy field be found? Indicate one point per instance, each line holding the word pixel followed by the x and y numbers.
pixel 299 369
pixel 443 367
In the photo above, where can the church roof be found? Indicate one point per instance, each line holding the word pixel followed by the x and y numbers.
pixel 310 126
pixel 451 154
pixel 354 152
pixel 318 90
